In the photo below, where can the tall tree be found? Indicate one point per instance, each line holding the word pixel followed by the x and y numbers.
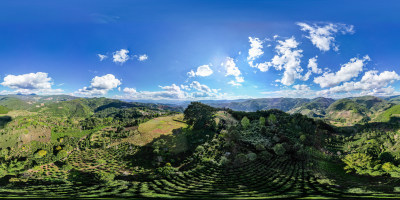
pixel 199 115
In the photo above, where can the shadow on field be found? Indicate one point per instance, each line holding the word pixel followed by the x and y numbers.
pixel 393 123
pixel 173 148
pixel 4 120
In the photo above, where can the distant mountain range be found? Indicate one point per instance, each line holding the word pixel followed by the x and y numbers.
pixel 344 111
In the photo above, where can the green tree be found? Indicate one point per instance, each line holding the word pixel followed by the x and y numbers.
pixel 262 121
pixel 279 149
pixel 272 119
pixel 62 154
pixel 245 122
pixel 199 115
pixel 357 162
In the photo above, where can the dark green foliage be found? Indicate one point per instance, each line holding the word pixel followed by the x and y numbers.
pixel 200 116
pixel 166 170
pixel 104 177
pixel 279 149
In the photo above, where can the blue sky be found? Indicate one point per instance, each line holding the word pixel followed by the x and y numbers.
pixel 200 49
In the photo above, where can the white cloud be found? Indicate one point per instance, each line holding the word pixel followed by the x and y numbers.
pixel 347 71
pixel 234 83
pixel 102 57
pixel 312 64
pixel 323 36
pixel 38 83
pixel 371 83
pixel 39 80
pixel 100 85
pixel 255 50
pixel 199 87
pixel 203 70
pixel 312 68
pixel 129 90
pixel 301 87
pixel 239 79
pixel 231 70
pixel 174 92
pixel 287 58
pixel 121 56
pixel 143 57
pixel 230 67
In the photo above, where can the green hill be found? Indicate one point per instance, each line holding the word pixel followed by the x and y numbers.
pixel 253 105
pixel 355 110
pixel 4 110
pixel 14 103
pixel 394 111
pixel 315 108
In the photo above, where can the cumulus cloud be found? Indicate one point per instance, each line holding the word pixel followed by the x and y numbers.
pixel 301 87
pixel 371 83
pixel 287 58
pixel 129 90
pixel 323 36
pixel 312 68
pixel 168 92
pixel 143 57
pixel 38 82
pixel 100 85
pixel 347 71
pixel 121 56
pixel 255 50
pixel 101 57
pixel 232 70
pixel 203 70
pixel 174 92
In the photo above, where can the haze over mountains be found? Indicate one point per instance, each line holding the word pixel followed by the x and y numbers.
pixel 344 111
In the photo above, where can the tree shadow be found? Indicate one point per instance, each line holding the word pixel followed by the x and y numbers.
pixel 393 123
pixel 4 120
pixel 176 147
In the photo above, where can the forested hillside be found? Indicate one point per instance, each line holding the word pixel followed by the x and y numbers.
pixel 102 147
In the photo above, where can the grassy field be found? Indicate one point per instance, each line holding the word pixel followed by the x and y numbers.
pixel 166 127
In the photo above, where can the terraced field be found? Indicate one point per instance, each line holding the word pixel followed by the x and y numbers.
pixel 260 179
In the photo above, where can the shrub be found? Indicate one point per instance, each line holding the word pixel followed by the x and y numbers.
pixel 279 149
pixel 41 153
pixel 358 162
pixel 104 177
pixel 224 160
pixel 101 162
pixel 62 154
pixel 262 121
pixel 241 158
pixel 251 156
pixel 303 138
pixel 265 155
pixel 166 170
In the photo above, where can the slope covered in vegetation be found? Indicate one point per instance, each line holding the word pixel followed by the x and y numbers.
pixel 109 148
